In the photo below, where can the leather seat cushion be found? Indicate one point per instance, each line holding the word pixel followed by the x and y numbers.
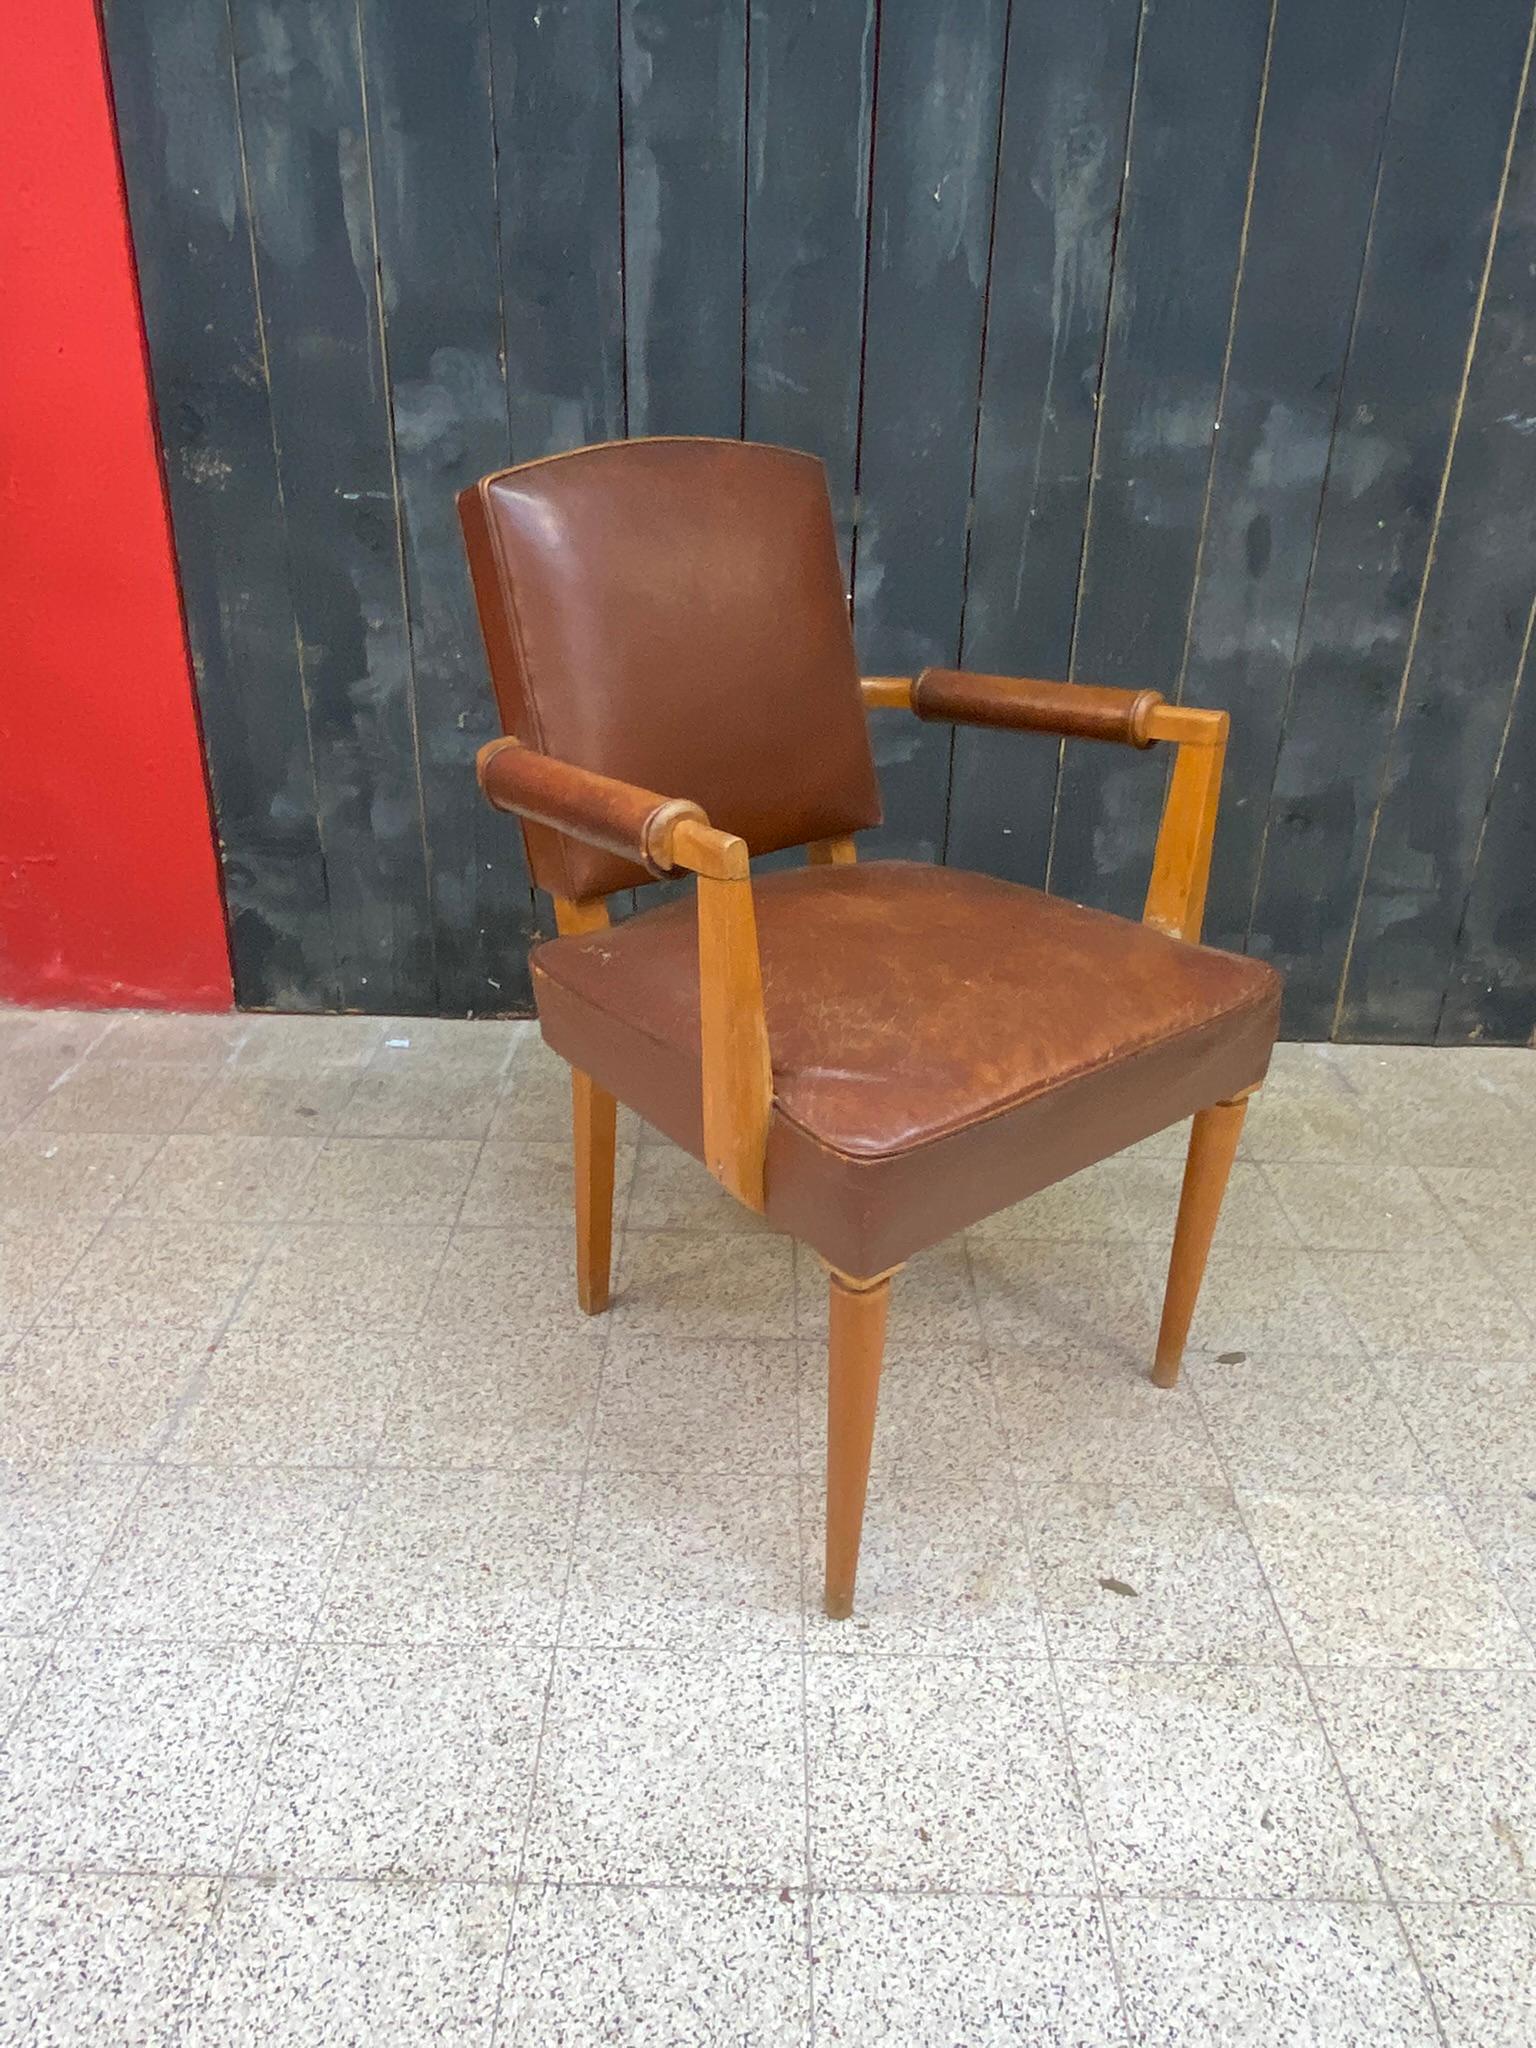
pixel 943 1044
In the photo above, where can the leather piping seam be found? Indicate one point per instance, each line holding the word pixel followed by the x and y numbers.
pixel 652 441
pixel 514 617
pixel 1070 1078
pixel 1081 1073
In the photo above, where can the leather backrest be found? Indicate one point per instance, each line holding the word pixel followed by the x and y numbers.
pixel 671 612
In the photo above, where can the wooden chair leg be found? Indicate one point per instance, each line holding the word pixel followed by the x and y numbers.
pixel 856 1345
pixel 1212 1147
pixel 595 1121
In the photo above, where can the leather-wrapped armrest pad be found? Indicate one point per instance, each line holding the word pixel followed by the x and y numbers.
pixel 1079 711
pixel 618 817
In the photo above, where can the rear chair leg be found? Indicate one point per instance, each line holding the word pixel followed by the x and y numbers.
pixel 856 1345
pixel 1212 1146
pixel 594 1115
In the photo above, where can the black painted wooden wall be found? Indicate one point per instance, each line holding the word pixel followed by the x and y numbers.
pixel 1185 343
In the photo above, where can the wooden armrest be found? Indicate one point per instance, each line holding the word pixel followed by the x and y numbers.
pixel 617 816
pixel 1078 711
pixel 670 834
pixel 666 834
pixel 1181 864
pixel 1023 704
pixel 1181 861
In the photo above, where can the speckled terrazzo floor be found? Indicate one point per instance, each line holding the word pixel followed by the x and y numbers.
pixel 389 1655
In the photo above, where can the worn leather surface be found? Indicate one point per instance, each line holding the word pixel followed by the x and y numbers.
pixel 1082 711
pixel 671 613
pixel 943 1044
pixel 633 824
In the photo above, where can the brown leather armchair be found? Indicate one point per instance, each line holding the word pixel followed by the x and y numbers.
pixel 874 1056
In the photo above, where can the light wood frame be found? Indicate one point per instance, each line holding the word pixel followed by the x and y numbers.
pixel 737 1084
pixel 1181 861
pixel 733 1031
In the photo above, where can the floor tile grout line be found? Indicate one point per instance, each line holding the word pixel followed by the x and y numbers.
pixel 1378 1495
pixel 373 1465
pixel 343 1880
pixel 1454 1499
pixel 1496 1286
pixel 302 1650
pixel 1340 1318
pixel 1062 1721
pixel 521 1877
pixel 750 1888
pixel 540 1468
pixel 541 1644
pixel 1378 1116
pixel 299 1653
pixel 295 1077
pixel 1268 1169
pixel 1342 1776
pixel 458 1214
pixel 149 1465
pixel 22 1210
pixel 360 1471
pixel 208 1075
pixel 31 1323
pixel 65 1073
pixel 57 1636
pixel 129 1507
pixel 287 1215
pixel 193 1389
pixel 118 1018
pixel 1486 1262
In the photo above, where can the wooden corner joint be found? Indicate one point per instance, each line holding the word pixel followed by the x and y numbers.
pixel 851 1283
pixel 688 840
pixel 1185 725
pixel 661 829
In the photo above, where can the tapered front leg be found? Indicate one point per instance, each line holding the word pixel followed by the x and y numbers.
pixel 855 1348
pixel 1212 1147
pixel 594 1116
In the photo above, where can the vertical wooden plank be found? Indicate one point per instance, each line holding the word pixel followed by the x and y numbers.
pixel 307 160
pixel 1198 82
pixel 936 131
pixel 434 180
pixel 1058 195
pixel 1492 991
pixel 684 74
pixel 1330 83
pixel 1442 165
pixel 173 84
pixel 1466 659
pixel 1361 537
pixel 555 69
pixel 810 104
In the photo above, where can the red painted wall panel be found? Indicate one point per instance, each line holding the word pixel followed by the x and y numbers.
pixel 109 887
